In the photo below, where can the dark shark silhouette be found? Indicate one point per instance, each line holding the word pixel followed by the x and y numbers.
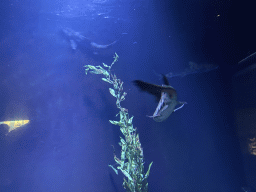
pixel 165 94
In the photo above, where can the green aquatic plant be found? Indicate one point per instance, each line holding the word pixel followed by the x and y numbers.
pixel 131 162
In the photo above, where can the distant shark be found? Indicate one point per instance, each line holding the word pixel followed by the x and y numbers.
pixel 246 65
pixel 165 94
pixel 76 40
pixel 192 69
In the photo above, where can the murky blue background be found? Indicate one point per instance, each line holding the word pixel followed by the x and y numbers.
pixel 67 144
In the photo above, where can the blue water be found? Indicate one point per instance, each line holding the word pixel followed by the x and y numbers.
pixel 67 144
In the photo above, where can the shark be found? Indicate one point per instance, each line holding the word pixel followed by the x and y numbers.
pixel 166 96
pixel 76 40
pixel 192 69
pixel 246 65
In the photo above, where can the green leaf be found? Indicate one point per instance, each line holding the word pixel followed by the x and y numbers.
pixel 118 114
pixel 107 80
pixel 115 85
pixel 123 154
pixel 96 72
pixel 121 163
pixel 123 96
pixel 104 72
pixel 130 120
pixel 127 174
pixel 147 174
pixel 116 123
pixel 116 171
pixel 122 141
pixel 118 161
pixel 90 66
pixel 86 71
pixel 105 65
pixel 112 91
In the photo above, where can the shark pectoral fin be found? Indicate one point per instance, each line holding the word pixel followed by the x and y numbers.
pixel 165 107
pixel 157 113
pixel 182 104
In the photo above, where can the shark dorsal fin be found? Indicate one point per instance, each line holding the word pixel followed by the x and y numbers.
pixel 166 82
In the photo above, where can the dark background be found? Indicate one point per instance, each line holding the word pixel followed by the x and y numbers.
pixel 67 144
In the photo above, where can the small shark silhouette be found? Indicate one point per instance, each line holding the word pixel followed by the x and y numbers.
pixel 165 94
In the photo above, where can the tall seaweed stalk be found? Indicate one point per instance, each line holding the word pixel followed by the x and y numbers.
pixel 131 162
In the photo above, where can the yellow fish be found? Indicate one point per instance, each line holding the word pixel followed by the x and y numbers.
pixel 14 124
